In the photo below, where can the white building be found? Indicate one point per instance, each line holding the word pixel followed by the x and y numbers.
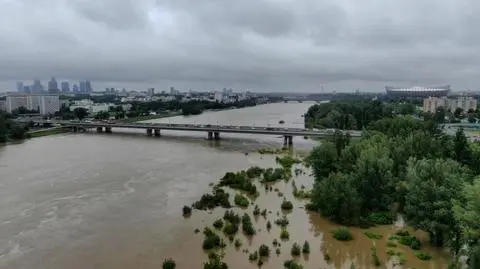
pixel 44 104
pixel 90 106
pixel 431 104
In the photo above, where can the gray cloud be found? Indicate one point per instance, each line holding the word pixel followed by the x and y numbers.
pixel 263 45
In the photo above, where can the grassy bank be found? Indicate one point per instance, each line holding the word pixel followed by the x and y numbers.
pixel 47 132
pixel 151 117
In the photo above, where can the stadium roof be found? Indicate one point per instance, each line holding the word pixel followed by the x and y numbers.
pixel 419 89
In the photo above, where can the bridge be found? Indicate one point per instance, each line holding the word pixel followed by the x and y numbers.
pixel 213 131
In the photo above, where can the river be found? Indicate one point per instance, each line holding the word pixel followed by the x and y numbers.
pixel 113 201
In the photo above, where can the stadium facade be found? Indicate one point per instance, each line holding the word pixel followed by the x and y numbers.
pixel 416 92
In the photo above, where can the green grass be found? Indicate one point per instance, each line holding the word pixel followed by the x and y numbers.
pixel 342 234
pixel 47 132
pixel 373 235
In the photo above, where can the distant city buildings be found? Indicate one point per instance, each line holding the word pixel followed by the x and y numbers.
pixel 75 88
pixel 37 86
pixel 431 104
pixel 53 86
pixel 151 91
pixel 20 86
pixel 43 104
pixel 65 85
pixel 3 105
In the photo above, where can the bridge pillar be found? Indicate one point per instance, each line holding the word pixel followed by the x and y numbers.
pixel 99 129
pixel 287 140
pixel 108 130
pixel 149 132
pixel 210 135
pixel 216 135
pixel 157 132
pixel 74 129
pixel 290 140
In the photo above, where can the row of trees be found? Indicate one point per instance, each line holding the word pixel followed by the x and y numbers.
pixel 9 130
pixel 403 165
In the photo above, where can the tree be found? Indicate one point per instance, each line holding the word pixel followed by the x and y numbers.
pixel 467 212
pixel 336 198
pixel 439 115
pixel 458 113
pixel 461 149
pixel 3 129
pixel 102 115
pixel 323 160
pixel 432 185
pixel 80 113
pixel 472 119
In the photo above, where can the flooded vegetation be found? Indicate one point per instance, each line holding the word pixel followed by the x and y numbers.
pixel 298 237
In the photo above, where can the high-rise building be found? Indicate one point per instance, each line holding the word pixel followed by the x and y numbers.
pixel 75 88
pixel 53 86
pixel 37 86
pixel 151 91
pixel 65 86
pixel 26 89
pixel 83 86
pixel 3 105
pixel 19 86
pixel 88 86
pixel 44 104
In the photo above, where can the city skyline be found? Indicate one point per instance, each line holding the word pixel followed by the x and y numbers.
pixel 262 45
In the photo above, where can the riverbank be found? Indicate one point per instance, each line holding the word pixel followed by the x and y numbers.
pixel 151 117
pixel 46 132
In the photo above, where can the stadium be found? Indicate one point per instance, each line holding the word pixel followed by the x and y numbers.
pixel 416 92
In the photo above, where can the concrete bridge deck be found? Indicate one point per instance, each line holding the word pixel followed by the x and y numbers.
pixel 213 131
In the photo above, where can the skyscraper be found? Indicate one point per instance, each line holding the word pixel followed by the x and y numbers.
pixel 53 86
pixel 19 86
pixel 88 86
pixel 83 86
pixel 75 88
pixel 65 86
pixel 37 86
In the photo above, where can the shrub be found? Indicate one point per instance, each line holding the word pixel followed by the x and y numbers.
pixel 230 228
pixel 310 207
pixel 391 244
pixel 411 241
pixel 286 205
pixel 375 259
pixel 238 243
pixel 218 224
pixel 372 235
pixel 256 211
pixel 423 256
pixel 241 200
pixel 283 222
pixel 342 234
pixel 196 231
pixel 275 242
pixel 208 232
pixel 209 201
pixel 211 242
pixel 295 249
pixel 277 251
pixel 169 264
pixel 287 162
pixel 263 251
pixel 215 264
pixel 269 226
pixel 306 248
pixel 253 256
pixel 239 181
pixel 264 213
pixel 284 235
pixel 187 211
pixel 254 172
pixel 402 232
pixel 380 218
pixel 291 264
pixel 259 263
pixel 231 217
pixel 247 225
pixel 272 175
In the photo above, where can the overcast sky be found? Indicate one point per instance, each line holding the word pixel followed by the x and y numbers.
pixel 262 45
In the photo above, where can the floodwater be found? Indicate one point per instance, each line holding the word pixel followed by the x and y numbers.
pixel 113 201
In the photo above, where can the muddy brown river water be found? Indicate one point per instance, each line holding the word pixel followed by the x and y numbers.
pixel 113 201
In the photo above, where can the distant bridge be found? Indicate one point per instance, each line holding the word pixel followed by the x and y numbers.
pixel 213 131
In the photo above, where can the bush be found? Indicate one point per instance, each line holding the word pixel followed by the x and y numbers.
pixel 295 249
pixel 238 243
pixel 286 205
pixel 342 234
pixel 209 201
pixel 391 244
pixel 423 256
pixel 253 256
pixel 380 218
pixel 269 226
pixel 231 217
pixel 287 162
pixel 211 242
pixel 277 251
pixel 241 200
pixel 291 264
pixel 373 235
pixel 284 235
pixel 239 181
pixel 218 224
pixel 311 207
pixel 402 232
pixel 272 175
pixel 275 242
pixel 254 172
pixel 306 248
pixel 411 241
pixel 263 251
pixel 264 213
pixel 375 259
pixel 283 222
pixel 230 228
pixel 256 211
pixel 208 232
pixel 187 211
pixel 247 225
pixel 169 264
pixel 215 264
